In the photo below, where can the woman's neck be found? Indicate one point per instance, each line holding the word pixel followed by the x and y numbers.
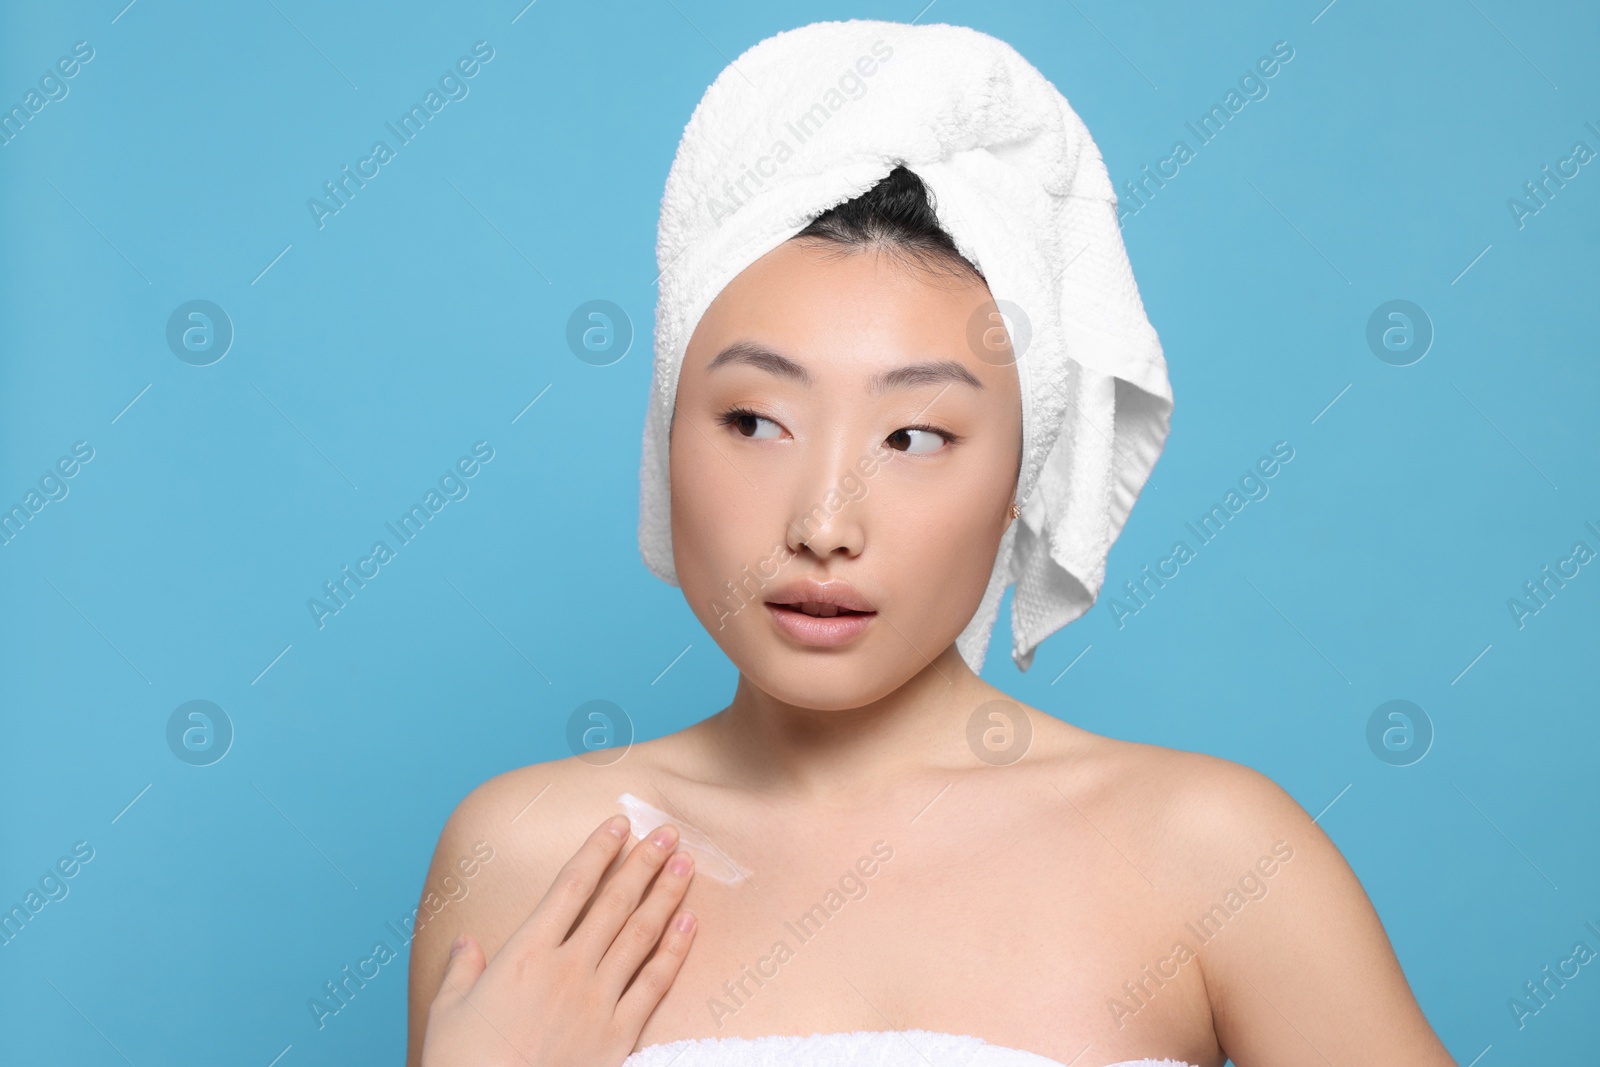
pixel 820 756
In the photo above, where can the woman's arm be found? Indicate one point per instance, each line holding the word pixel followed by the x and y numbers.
pixel 1297 966
pixel 565 947
pixel 430 945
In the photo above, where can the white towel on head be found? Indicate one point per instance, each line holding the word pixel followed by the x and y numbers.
pixel 814 116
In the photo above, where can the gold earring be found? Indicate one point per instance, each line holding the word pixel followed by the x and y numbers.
pixel 1016 509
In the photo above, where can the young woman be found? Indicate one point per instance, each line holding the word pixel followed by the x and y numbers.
pixel 896 863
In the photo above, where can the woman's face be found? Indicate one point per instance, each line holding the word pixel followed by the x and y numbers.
pixel 795 455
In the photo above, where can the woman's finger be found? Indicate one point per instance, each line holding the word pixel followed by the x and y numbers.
pixel 655 978
pixel 643 929
pixel 615 903
pixel 462 972
pixel 548 924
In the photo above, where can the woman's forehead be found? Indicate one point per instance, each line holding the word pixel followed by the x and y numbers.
pixel 800 311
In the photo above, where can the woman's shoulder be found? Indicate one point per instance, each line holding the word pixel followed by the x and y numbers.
pixel 1170 774
pixel 549 804
pixel 1194 815
pixel 1250 885
pixel 531 820
pixel 502 847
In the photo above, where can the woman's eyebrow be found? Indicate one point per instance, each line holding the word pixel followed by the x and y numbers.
pixel 926 372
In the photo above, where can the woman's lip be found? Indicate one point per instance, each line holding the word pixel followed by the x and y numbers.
pixel 819 631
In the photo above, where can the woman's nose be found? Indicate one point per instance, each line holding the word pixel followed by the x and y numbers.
pixel 826 516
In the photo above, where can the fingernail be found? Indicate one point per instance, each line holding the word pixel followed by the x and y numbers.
pixel 458 944
pixel 686 922
pixel 662 837
pixel 680 863
pixel 618 825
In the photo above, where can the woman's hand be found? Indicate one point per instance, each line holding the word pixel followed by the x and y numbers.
pixel 557 994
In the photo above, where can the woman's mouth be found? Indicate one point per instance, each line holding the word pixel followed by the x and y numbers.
pixel 819 625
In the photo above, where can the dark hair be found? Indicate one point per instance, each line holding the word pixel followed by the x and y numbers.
pixel 895 215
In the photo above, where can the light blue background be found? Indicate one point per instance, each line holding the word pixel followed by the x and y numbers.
pixel 431 310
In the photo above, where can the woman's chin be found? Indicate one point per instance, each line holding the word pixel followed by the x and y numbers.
pixel 840 680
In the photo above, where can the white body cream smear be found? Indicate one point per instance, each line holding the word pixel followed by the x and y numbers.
pixel 708 859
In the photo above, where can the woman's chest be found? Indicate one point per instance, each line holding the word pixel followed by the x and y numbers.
pixel 1040 944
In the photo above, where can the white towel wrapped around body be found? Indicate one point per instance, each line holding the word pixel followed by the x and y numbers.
pixel 860 1048
pixel 814 116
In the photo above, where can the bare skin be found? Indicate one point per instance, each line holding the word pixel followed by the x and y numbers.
pixel 1026 893
pixel 580 955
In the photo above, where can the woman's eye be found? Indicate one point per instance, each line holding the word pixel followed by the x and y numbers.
pixel 930 440
pixel 748 423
